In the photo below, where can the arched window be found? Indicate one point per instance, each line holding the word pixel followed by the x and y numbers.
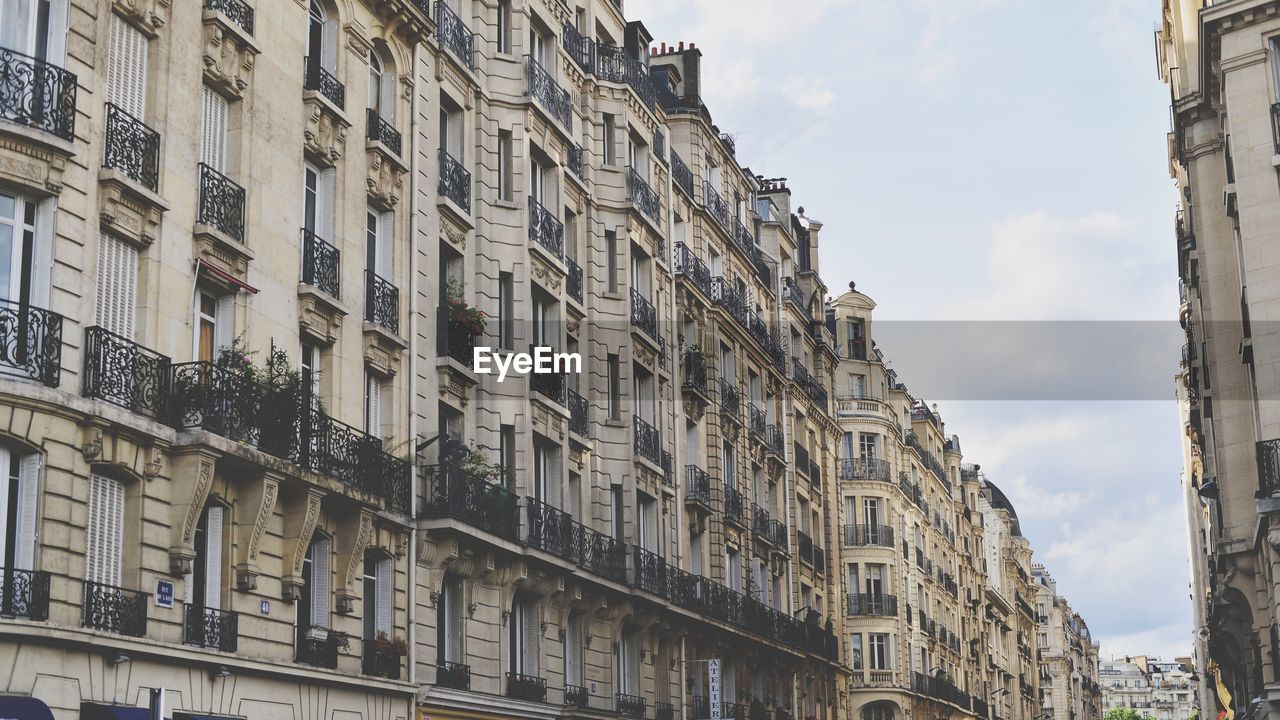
pixel 375 83
pixel 382 84
pixel 322 37
pixel 877 711
pixel 204 584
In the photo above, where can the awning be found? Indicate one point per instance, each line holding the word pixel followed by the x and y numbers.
pixel 224 276
pixel 22 707
pixel 93 711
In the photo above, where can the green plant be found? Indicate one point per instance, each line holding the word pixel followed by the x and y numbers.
pixel 460 313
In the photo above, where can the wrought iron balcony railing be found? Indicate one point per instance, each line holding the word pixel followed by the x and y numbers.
pixel 321 264
pixel 526 687
pixel 454 339
pixel 681 175
pixel 766 528
pixel 694 365
pixel 381 302
pixel 575 696
pixel 631 706
pixel 756 421
pixel 454 35
pixel 859 535
pixel 31 342
pixel 555 531
pixel 733 711
pixel 692 268
pixel 318 646
pixel 579 413
pixel 697 484
pixel 115 610
pixel 644 316
pixel 735 505
pixel 549 385
pixel 725 296
pixel 455 676
pixel 643 196
pixel 648 441
pixel 545 229
pixel 475 501
pixel 794 295
pixel 651 573
pixel 455 181
pixel 664 711
pixel 776 440
pixel 131 147
pixel 576 161
pixel 730 400
pixel 24 594
pixel 717 207
pixel 210 628
pixel 378 659
pixel 580 48
pixel 613 64
pixel 322 81
pixel 865 469
pixel 37 94
pixel 380 129
pixel 126 374
pixel 237 10
pixel 553 98
pixel 221 203
pixel 573 283
pixel 876 604
pixel 1268 459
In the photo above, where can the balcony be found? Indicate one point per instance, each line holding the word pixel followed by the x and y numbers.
pixel 767 529
pixel 643 196
pixel 24 594
pixel 210 628
pixel 681 176
pixel 455 676
pixel 38 95
pixel 1268 459
pixel 381 658
pixel 576 696
pixel 856 535
pixel 132 148
pixel 664 711
pixel 872 604
pixel 126 374
pixel 382 302
pixel 730 401
pixel 581 49
pixel 454 339
pixel 573 283
pixel 454 35
pixel 793 294
pixel 756 421
pixel 237 11
pixel 692 268
pixel 865 469
pixel 631 706
pixel 697 485
pixel 804 544
pixel 321 81
pixel 579 414
pixel 648 441
pixel 221 204
pixel 31 342
pixel 556 532
pixel 694 371
pixel 475 501
pixel 228 402
pixel 115 610
pixel 321 264
pixel 735 506
pixel 613 64
pixel 644 316
pixel 553 98
pixel 545 229
pixel 775 441
pixel 727 298
pixel 318 646
pixel 717 207
pixel 733 711
pixel 380 130
pixel 526 687
pixel 576 162
pixel 455 181
pixel 939 689
pixel 550 386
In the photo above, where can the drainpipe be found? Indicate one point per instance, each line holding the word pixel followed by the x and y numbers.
pixel 413 390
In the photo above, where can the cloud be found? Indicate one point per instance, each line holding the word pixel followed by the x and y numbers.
pixel 1036 501
pixel 1165 642
pixel 808 93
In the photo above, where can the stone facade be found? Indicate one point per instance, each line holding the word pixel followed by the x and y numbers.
pixel 1155 689
pixel 1067 654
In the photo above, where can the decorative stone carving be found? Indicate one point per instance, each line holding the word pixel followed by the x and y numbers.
pixel 129 210
pixel 319 315
pixel 547 275
pixel 259 499
pixel 192 478
pixel 453 233
pixel 352 542
pixel 27 161
pixel 148 16
pixel 382 350
pixel 385 180
pixel 222 252
pixel 324 134
pixel 299 525
pixel 229 55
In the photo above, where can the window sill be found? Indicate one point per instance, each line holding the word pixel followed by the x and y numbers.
pixel 508 204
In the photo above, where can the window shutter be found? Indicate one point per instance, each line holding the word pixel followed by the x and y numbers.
pixel 213 138
pixel 573 651
pixel 127 68
pixel 29 493
pixel 329 46
pixel 383 616
pixel 385 247
pixel 320 582
pixel 213 557
pixel 633 664
pixel 532 634
pixel 555 477
pixel 224 326
pixel 325 205
pixel 373 423
pixel 453 589
pixel 104 535
pixel 117 285
pixel 387 96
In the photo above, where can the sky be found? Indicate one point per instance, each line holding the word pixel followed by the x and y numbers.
pixel 981 161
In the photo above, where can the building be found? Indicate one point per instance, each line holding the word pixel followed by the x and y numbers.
pixel 1154 689
pixel 254 462
pixel 1220 62
pixel 1067 654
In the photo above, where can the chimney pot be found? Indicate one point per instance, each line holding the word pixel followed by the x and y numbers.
pixel 681 46
pixel 692 46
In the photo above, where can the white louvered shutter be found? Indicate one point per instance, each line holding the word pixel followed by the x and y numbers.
pixel 213 557
pixel 532 636
pixel 387 96
pixel 213 130
pixel 127 68
pixel 117 285
pixel 325 205
pixel 573 651
pixel 385 247
pixel 373 421
pixel 224 326
pixel 28 497
pixel 320 583
pixel 104 537
pixel 329 46
pixel 5 465
pixel 385 572
pixel 633 664
pixel 555 478
pixel 455 625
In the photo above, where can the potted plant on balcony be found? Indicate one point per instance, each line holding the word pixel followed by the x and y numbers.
pixel 461 315
pixel 387 645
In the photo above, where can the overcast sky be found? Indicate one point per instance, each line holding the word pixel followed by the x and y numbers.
pixel 992 160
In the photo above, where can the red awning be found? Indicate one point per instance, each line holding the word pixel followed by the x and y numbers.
pixel 225 277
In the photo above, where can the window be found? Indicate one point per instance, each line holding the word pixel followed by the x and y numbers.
pixel 506 157
pixel 507 454
pixel 615 387
pixel 317 200
pixel 213 130
pixel 382 87
pixel 538 48
pixel 573 649
pixel 546 471
pixel 643 391
pixel 878 651
pixel 19 477
pixel 451 126
pixel 573 501
pixel 878 711
pixel 117 285
pixel 647 530
pixel 875 579
pixel 523 629
pixel 374 414
pixel 855 651
pixel 104 534
pixel 204 583
pixel 17 245
pixel 126 66
pixel 310 371
pixel 313 605
pixel 570 234
pixel 378 242
pixel 449 607
pixel 213 325
pixel 377 595
pixel 695 552
pixel 858 386
pixel 504 27
pixel 322 34
pixel 610 142
pixel 616 511
pixel 611 260
pixel 506 310
pixel 24 26
pixel 733 569
pixel 868 446
pixel 626 659
pixel 871 512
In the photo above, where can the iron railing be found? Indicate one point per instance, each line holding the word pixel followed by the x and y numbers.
pixel 526 687
pixel 37 94
pixel 575 696
pixel 455 676
pixel 643 196
pixel 31 341
pixel 237 11
pixel 692 268
pixel 648 441
pixel 545 229
pixel 857 535
pixel 115 610
pixel 877 604
pixel 318 646
pixel 631 706
pixel 644 316
pixel 694 365
pixel 379 659
pixel 24 594
pixel 489 507
pixel 322 81
pixel 125 373
pixel 664 711
pixel 454 339
pixel 776 440
pixel 454 35
pixel 553 98
pixel 380 129
pixel 716 207
pixel 735 506
pixel 730 400
pixel 697 484
pixel 579 413
pixel 573 282
pixel 221 203
pixel 681 175
pixel 455 181
pixel 555 531
pixel 576 161
pixel 549 385
pixel 131 147
pixel 613 64
pixel 580 48
pixel 321 264
pixel 865 469
pixel 381 302
pixel 210 628
pixel 1268 458
pixel 756 420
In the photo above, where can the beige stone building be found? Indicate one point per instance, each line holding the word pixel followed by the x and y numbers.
pixel 1160 690
pixel 1067 654
pixel 1220 61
